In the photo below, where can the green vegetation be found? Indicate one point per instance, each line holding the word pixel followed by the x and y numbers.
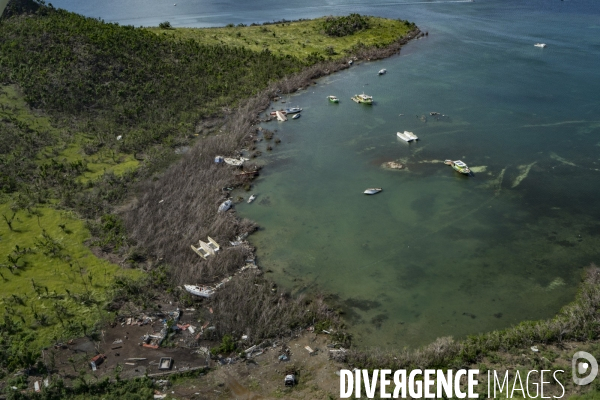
pixel 305 40
pixel 344 26
pixel 87 110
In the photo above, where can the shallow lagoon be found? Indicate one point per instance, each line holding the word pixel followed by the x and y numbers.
pixel 437 253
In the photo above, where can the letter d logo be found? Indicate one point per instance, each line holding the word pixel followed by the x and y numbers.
pixel 582 367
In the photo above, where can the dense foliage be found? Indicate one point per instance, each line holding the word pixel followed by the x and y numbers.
pixel 344 26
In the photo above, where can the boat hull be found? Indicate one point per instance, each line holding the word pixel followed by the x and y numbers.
pixel 372 191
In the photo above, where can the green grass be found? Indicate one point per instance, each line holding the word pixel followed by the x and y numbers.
pixel 299 39
pixel 57 278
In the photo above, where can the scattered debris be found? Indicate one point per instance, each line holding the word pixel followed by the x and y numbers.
pixel 235 161
pixel 310 351
pixel 534 349
pixel 97 360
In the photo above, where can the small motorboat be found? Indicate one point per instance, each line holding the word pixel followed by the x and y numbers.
pixel 202 291
pixel 251 198
pixel 372 190
pixel 293 110
pixel 458 166
pixel 333 99
pixel 226 205
pixel 540 45
pixel 403 136
pixel 296 116
pixel 382 71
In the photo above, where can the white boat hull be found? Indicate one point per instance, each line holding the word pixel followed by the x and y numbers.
pixel 403 136
pixel 202 291
pixel 372 191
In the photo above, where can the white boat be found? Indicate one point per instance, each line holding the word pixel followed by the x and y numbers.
pixel 202 291
pixel 411 135
pixel 235 161
pixel 251 199
pixel 541 45
pixel 206 249
pixel 333 99
pixel 403 136
pixel 226 205
pixel 372 190
pixel 382 71
pixel 280 116
pixel 293 110
pixel 296 116
pixel 363 98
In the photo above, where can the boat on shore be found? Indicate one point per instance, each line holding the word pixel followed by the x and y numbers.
pixel 226 205
pixel 333 99
pixel 540 45
pixel 372 190
pixel 251 199
pixel 363 98
pixel 202 291
pixel 382 71
pixel 274 113
pixel 402 135
pixel 458 166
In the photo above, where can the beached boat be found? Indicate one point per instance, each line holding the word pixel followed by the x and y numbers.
pixel 458 166
pixel 202 291
pixel 293 110
pixel 372 190
pixel 226 205
pixel 235 161
pixel 333 99
pixel 296 116
pixel 411 135
pixel 382 71
pixel 363 98
pixel 280 116
pixel 251 198
pixel 403 136
pixel 205 249
pixel 274 113
pixel 541 45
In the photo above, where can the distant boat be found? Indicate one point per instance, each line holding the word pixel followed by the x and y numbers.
pixel 202 291
pixel 458 166
pixel 363 98
pixel 541 45
pixel 226 205
pixel 251 199
pixel 372 190
pixel 403 136
pixel 333 99
pixel 296 116
pixel 382 71
pixel 293 110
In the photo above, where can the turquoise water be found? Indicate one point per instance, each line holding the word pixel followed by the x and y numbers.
pixel 436 253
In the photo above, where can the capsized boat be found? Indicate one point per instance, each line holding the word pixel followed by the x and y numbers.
pixel 251 198
pixel 382 71
pixel 333 99
pixel 411 135
pixel 226 205
pixel 458 166
pixel 293 110
pixel 372 190
pixel 363 98
pixel 402 135
pixel 280 116
pixel 541 45
pixel 202 291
